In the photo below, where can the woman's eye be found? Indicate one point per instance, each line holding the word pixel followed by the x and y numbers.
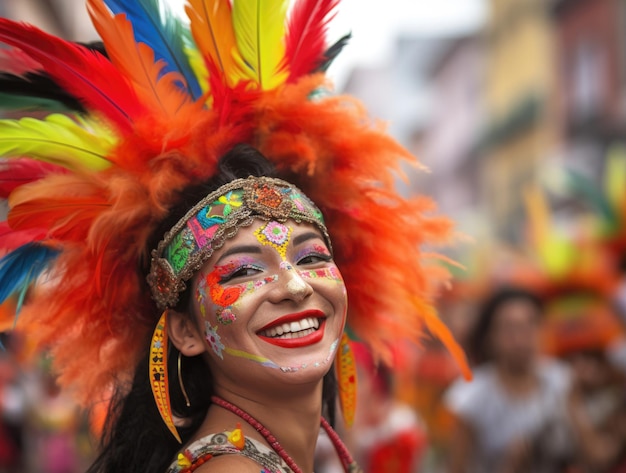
pixel 240 273
pixel 315 258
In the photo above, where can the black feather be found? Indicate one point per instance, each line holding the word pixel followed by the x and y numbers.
pixel 332 52
pixel 40 85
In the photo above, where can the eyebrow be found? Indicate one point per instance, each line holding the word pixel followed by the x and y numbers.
pixel 305 237
pixel 240 249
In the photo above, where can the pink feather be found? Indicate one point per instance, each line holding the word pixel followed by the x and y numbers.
pixel 87 74
pixel 16 62
pixel 306 36
pixel 10 239
pixel 17 172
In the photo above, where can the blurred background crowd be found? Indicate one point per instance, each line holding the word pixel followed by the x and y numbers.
pixel 521 120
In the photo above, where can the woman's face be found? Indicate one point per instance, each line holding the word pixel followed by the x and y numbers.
pixel 514 334
pixel 271 298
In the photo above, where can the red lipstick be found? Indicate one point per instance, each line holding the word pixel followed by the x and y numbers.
pixel 299 342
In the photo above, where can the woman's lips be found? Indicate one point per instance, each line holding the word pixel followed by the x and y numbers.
pixel 295 330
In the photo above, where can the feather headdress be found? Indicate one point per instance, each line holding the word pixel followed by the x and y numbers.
pixel 122 132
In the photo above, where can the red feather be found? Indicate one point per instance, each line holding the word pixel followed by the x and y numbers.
pixel 64 218
pixel 85 73
pixel 306 36
pixel 17 172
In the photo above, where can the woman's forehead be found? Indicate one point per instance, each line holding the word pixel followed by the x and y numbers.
pixel 249 235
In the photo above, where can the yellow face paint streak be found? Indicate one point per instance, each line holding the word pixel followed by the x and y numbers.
pixel 250 356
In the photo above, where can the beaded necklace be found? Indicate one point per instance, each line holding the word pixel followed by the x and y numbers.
pixel 349 465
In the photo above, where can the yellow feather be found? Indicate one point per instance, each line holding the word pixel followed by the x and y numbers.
pixel 198 67
pixel 614 177
pixel 80 144
pixel 259 31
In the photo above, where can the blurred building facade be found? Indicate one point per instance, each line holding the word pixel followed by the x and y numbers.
pixel 591 67
pixel 450 142
pixel 519 101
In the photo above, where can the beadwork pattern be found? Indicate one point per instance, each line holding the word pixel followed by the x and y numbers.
pixel 217 217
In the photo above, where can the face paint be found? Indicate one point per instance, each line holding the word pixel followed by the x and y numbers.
pixel 285 369
pixel 222 297
pixel 276 235
pixel 331 273
pixel 315 250
pixel 215 342
pixel 233 294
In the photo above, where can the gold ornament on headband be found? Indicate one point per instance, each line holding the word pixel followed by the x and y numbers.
pixel 217 217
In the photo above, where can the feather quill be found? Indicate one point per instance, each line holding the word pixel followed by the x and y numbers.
pixel 211 25
pixel 57 139
pixel 259 31
pixel 20 268
pixel 83 72
pixel 305 42
pixel 163 33
pixel 136 60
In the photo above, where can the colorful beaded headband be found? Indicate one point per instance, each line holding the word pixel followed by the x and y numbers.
pixel 217 217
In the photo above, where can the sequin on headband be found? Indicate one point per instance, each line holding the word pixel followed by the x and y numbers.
pixel 217 217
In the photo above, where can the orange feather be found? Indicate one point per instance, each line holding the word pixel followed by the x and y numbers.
pixel 212 30
pixel 136 61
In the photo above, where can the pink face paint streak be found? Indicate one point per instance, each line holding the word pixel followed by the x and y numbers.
pixel 331 273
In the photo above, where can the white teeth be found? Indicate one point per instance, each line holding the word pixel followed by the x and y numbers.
pixel 296 329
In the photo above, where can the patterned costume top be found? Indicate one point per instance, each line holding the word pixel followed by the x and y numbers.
pixel 202 450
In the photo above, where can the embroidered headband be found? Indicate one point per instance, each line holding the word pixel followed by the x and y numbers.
pixel 217 217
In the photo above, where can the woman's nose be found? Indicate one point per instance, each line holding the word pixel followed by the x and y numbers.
pixel 292 285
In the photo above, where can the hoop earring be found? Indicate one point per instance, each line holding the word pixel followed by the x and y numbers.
pixel 159 381
pixel 346 378
pixel 180 381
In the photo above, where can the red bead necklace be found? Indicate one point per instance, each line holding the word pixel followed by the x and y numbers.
pixel 346 459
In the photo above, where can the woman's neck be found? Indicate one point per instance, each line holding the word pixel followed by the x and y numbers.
pixel 518 382
pixel 293 418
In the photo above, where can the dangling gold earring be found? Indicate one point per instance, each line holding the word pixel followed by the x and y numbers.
pixel 159 381
pixel 180 381
pixel 346 378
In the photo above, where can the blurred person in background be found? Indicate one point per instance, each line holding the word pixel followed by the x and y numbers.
pixel 511 417
pixel 582 328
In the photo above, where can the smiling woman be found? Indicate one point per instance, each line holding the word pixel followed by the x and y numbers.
pixel 206 207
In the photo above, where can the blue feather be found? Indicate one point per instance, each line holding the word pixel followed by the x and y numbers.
pixel 164 33
pixel 20 268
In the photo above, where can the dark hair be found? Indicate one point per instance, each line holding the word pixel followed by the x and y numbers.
pixel 478 349
pixel 135 439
